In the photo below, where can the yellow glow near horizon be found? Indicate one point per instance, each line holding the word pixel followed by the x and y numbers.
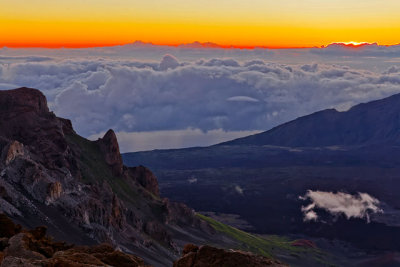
pixel 284 23
pixel 354 43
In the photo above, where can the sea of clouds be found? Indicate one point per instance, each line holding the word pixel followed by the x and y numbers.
pixel 173 99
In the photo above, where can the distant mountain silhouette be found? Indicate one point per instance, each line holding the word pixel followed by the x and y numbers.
pixel 376 122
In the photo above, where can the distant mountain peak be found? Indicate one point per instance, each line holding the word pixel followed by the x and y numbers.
pixel 376 122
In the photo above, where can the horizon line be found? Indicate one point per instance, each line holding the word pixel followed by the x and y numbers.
pixel 192 45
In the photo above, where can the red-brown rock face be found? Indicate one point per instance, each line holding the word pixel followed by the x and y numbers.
pixel 15 149
pixel 54 192
pixel 145 178
pixel 22 100
pixel 25 118
pixel 110 148
pixel 179 213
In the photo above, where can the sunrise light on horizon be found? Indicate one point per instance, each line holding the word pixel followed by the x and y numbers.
pixel 246 24
pixel 200 132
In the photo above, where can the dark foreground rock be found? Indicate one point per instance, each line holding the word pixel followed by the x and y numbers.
pixel 207 256
pixel 31 248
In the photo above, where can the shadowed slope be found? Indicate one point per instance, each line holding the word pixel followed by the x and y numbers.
pixel 371 123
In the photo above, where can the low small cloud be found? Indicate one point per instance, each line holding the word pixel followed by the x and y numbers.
pixel 239 190
pixel 310 216
pixel 242 98
pixel 192 180
pixel 360 205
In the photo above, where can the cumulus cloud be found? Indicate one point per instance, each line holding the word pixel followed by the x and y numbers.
pixel 168 62
pixel 310 68
pixel 217 62
pixel 392 69
pixel 360 205
pixel 214 98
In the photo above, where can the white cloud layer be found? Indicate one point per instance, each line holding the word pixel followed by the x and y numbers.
pixel 214 97
pixel 351 206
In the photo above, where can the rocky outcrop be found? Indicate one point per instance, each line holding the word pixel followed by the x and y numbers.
pixel 180 214
pixel 54 192
pixel 204 256
pixel 110 149
pixel 8 228
pixel 14 150
pixel 79 188
pixel 17 102
pixel 25 117
pixel 145 178
pixel 33 248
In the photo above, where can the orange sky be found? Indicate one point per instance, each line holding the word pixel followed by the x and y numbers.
pixel 284 23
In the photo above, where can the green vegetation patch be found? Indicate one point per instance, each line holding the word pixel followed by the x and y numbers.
pixel 266 246
pixel 94 168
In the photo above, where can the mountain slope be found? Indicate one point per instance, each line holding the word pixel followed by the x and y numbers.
pixel 80 189
pixel 375 122
pixel 84 194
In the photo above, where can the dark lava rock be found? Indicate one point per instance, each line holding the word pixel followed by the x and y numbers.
pixel 145 178
pixel 7 227
pixel 206 256
pixel 34 248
